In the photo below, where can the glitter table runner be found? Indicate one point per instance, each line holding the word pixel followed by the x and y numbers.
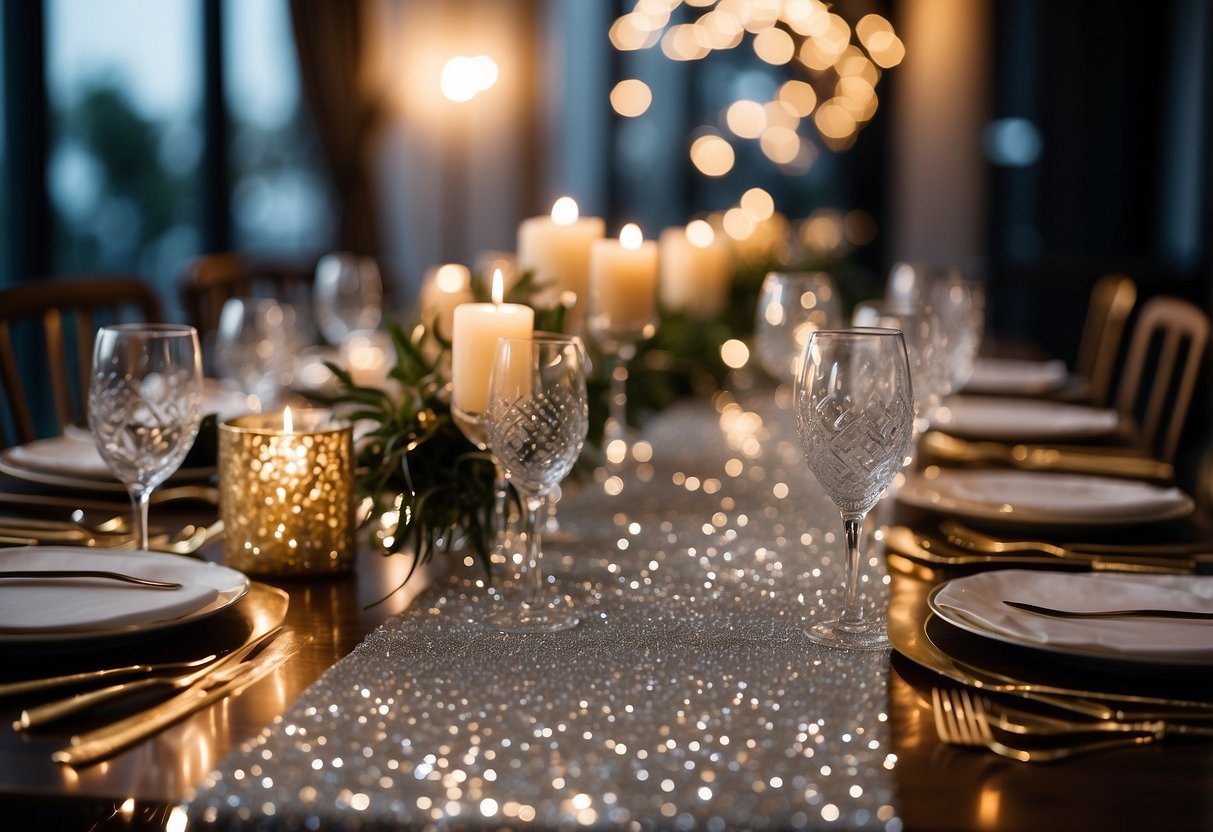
pixel 688 697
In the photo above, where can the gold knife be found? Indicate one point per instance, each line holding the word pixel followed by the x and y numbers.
pixel 40 715
pixel 94 746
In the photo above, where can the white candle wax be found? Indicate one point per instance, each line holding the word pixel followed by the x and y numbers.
pixel 623 286
pixel 695 271
pixel 557 250
pixel 474 342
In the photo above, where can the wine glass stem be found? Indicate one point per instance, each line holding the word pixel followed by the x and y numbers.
pixel 852 609
pixel 532 575
pixel 619 391
pixel 140 498
pixel 501 505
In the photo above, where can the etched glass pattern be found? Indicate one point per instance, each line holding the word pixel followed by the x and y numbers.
pixel 855 416
pixel 539 437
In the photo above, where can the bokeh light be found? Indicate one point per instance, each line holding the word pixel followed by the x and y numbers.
pixel 631 97
pixel 712 155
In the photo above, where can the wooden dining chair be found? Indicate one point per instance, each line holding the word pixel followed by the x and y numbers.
pixel 46 338
pixel 1164 358
pixel 1111 304
pixel 206 282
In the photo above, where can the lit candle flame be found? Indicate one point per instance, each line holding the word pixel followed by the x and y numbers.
pixel 630 237
pixel 288 425
pixel 498 286
pixel 564 211
pixel 700 234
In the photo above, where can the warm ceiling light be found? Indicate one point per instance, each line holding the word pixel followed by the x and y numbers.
pixel 631 97
pixel 464 77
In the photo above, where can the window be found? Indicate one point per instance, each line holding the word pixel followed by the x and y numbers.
pixel 279 199
pixel 124 83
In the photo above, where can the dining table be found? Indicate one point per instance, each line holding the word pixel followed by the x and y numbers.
pixel 688 696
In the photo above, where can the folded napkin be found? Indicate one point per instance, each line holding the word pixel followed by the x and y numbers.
pixel 1006 375
pixel 34 606
pixel 975 603
pixel 1022 420
pixel 1076 496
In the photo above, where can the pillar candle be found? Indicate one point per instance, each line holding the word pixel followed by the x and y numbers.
pixel 623 286
pixel 474 342
pixel 695 271
pixel 557 250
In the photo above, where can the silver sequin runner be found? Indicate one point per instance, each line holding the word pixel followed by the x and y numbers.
pixel 688 697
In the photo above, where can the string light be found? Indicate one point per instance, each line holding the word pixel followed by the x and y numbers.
pixel 842 68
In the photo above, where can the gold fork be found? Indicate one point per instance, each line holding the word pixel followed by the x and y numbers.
pixel 1185 554
pixel 958 722
pixel 1029 723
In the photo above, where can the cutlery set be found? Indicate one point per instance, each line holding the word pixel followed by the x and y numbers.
pixel 973 720
pixel 966 552
pixel 194 685
pixel 23 532
pixel 1075 460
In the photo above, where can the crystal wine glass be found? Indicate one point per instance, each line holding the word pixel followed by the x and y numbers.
pixel 347 295
pixel 538 417
pixel 854 404
pixel 919 327
pixel 253 349
pixel 145 405
pixel 790 306
pixel 960 305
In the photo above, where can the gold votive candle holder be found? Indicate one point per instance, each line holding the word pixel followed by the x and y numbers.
pixel 286 493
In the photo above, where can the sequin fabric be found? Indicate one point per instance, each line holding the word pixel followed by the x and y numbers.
pixel 687 698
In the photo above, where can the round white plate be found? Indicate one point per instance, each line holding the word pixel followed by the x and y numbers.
pixel 1022 420
pixel 83 478
pixel 59 611
pixel 1009 375
pixel 1032 498
pixel 974 603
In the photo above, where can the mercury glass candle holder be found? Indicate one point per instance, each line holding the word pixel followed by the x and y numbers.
pixel 286 486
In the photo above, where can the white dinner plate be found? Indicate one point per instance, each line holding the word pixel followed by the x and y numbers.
pixel 61 610
pixel 1033 498
pixel 1022 420
pixel 67 462
pixel 1014 376
pixel 72 460
pixel 974 603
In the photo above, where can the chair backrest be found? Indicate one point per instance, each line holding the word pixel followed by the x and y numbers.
pixel 58 318
pixel 1160 372
pixel 1111 303
pixel 206 282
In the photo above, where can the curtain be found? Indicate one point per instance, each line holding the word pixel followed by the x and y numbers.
pixel 330 40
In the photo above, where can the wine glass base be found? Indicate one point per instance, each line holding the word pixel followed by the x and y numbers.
pixel 533 619
pixel 843 636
